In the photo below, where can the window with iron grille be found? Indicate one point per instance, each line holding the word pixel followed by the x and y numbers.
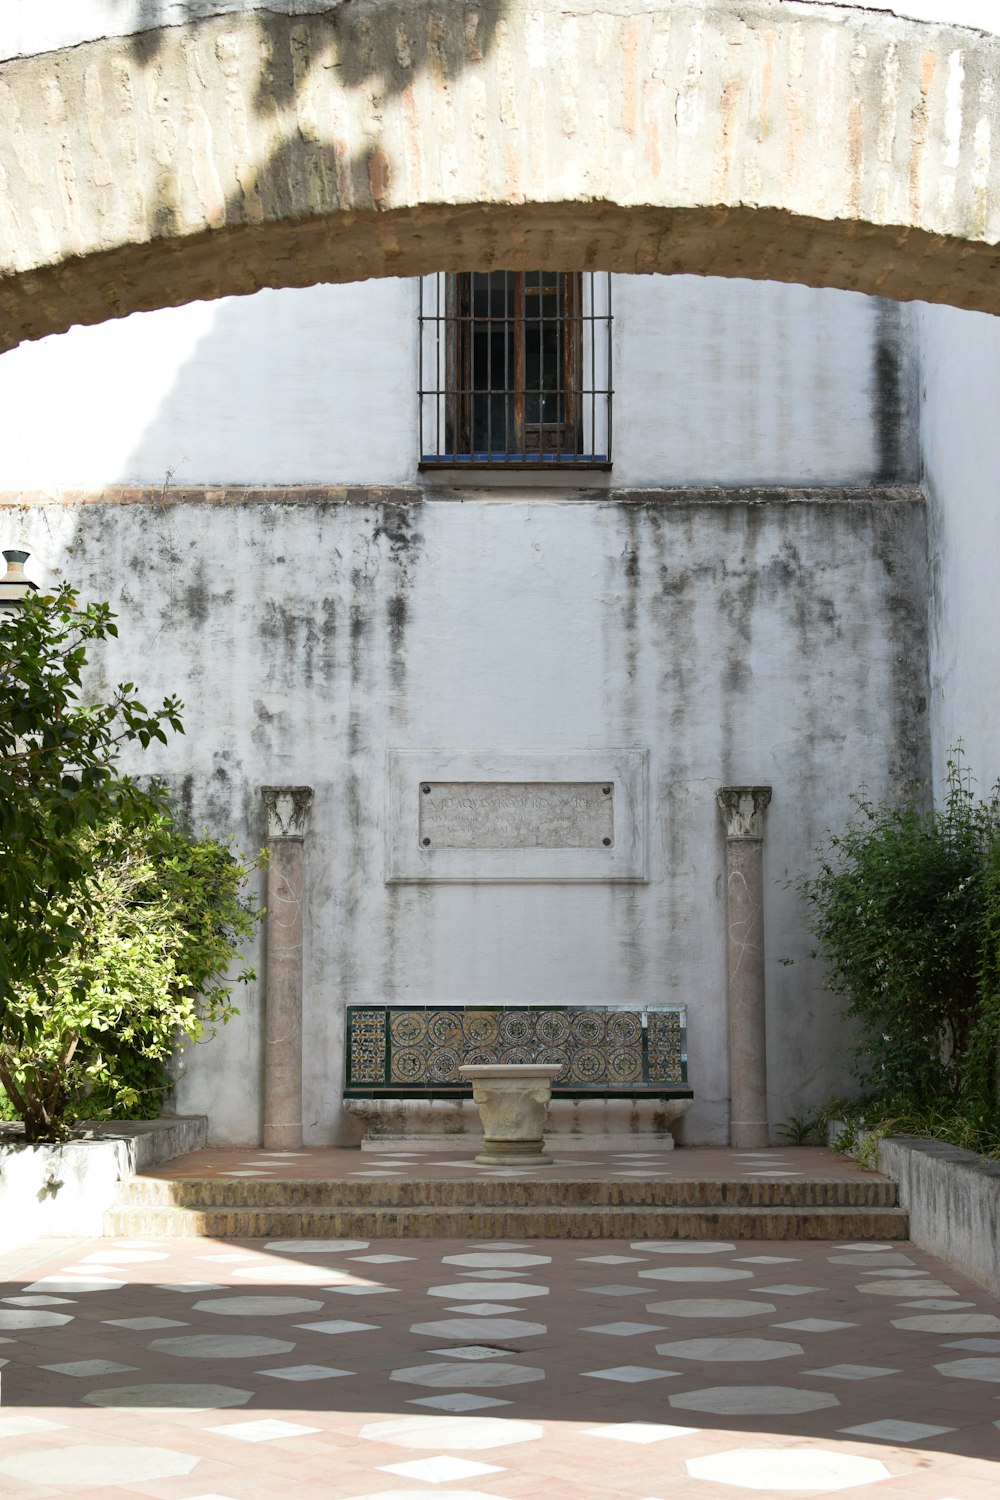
pixel 515 369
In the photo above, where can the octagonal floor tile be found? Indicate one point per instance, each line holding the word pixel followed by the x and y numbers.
pixel 86 1465
pixel 812 1469
pixel 753 1400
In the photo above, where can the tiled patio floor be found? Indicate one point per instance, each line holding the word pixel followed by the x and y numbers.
pixel 194 1370
pixel 455 1160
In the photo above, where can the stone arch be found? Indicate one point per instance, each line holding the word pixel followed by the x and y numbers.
pixel 823 145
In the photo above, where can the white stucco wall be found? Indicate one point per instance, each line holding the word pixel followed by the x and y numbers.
pixel 961 442
pixel 766 642
pixel 740 382
pixel 762 637
pixel 717 382
pixel 285 387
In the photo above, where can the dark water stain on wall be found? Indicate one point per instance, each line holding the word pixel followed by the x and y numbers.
pixel 265 730
pixel 397 535
pixel 358 624
pixel 398 524
pixel 291 639
pixel 895 395
pixel 899 542
pixel 623 625
pixel 397 615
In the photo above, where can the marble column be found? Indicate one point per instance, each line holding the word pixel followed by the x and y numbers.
pixel 744 807
pixel 287 809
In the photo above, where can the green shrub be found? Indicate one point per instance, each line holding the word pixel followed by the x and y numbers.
pixel 159 919
pixel 58 775
pixel 116 928
pixel 905 908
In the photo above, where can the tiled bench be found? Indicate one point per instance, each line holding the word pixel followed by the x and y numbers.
pixel 402 1079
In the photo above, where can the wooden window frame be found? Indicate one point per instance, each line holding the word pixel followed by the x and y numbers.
pixel 498 388
pixel 530 440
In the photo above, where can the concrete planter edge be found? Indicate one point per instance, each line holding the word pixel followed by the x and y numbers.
pixel 66 1189
pixel 953 1200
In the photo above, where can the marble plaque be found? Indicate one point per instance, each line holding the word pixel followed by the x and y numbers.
pixel 516 814
pixel 504 815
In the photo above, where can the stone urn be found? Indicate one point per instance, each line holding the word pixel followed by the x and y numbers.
pixel 513 1101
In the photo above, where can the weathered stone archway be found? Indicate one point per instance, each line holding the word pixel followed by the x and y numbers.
pixel 760 139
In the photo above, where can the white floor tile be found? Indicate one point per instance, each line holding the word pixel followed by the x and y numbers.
pixel 440 1470
pixel 640 1432
pixel 266 1430
pixel 624 1330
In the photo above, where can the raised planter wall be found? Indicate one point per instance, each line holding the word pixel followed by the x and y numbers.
pixel 66 1189
pixel 953 1200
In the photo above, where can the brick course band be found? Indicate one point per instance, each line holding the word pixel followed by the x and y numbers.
pixel 392 137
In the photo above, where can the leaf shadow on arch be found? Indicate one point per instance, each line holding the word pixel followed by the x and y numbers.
pixel 379 46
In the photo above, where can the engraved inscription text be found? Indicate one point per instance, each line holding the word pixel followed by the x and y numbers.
pixel 516 814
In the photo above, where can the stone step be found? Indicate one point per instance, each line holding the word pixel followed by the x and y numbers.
pixel 268 1194
pixel 483 1222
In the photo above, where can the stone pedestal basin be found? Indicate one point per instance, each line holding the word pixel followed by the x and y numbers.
pixel 513 1101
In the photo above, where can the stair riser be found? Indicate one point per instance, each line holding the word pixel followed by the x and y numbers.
pixel 270 1195
pixel 485 1224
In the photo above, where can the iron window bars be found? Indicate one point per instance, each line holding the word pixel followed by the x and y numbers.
pixel 515 369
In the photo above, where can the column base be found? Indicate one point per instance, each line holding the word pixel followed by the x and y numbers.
pixel 282 1138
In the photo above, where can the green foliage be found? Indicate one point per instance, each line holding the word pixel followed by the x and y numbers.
pixel 57 776
pixel 867 1122
pixel 139 1090
pixel 899 909
pixel 158 922
pixel 116 928
pixel 905 908
pixel 983 1052
pixel 799 1131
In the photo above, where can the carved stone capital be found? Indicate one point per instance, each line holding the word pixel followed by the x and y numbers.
pixel 744 809
pixel 287 808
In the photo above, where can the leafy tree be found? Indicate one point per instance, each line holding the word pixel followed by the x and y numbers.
pixel 115 927
pixel 57 777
